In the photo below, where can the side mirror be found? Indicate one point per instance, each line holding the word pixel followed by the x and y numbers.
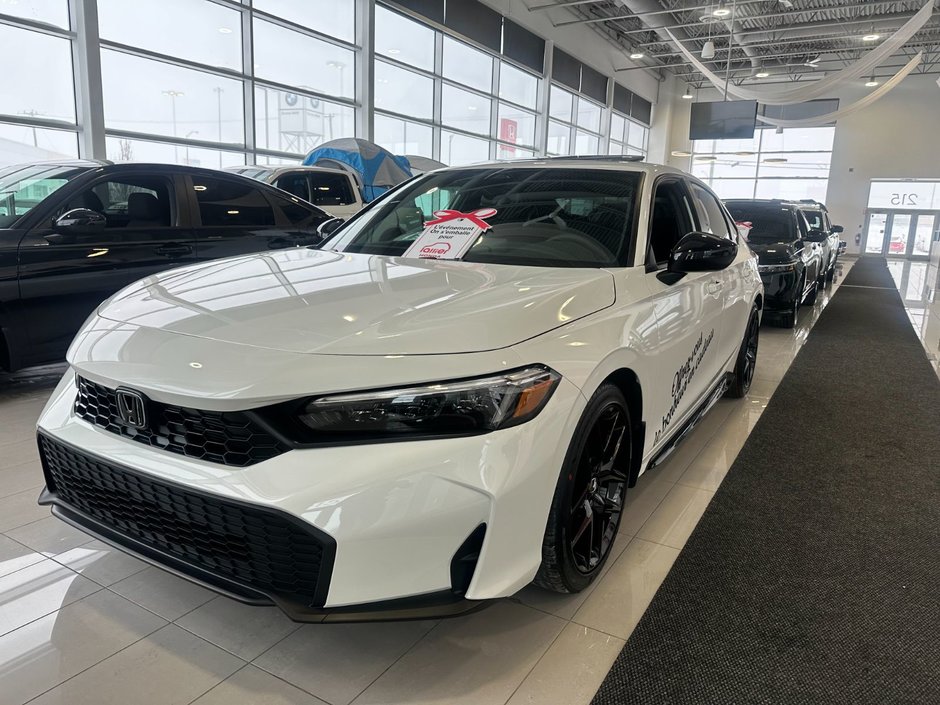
pixel 838 229
pixel 702 252
pixel 328 227
pixel 80 221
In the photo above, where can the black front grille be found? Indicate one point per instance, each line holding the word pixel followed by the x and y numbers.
pixel 251 546
pixel 229 437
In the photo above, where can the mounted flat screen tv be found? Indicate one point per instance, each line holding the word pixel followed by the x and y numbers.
pixel 723 120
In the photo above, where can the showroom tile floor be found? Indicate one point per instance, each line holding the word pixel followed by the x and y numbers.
pixel 82 624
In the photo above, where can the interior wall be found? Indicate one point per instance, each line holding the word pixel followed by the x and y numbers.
pixel 896 138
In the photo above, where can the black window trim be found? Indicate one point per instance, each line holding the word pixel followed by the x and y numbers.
pixel 649 261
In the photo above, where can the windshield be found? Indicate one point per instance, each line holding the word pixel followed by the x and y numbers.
pixel 549 217
pixel 770 222
pixel 24 187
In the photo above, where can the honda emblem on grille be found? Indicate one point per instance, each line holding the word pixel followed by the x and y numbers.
pixel 132 408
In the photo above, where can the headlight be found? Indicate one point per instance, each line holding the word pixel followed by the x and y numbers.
pixel 776 268
pixel 457 407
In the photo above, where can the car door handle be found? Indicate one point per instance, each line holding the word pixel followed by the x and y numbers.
pixel 174 250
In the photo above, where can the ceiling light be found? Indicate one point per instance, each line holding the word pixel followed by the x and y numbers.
pixel 680 153
pixel 871 83
pixel 721 10
pixel 688 93
pixel 394 51
pixel 745 154
pixel 637 55
pixel 871 37
pixel 706 158
pixel 776 160
pixel 224 30
pixel 762 74
pixel 708 51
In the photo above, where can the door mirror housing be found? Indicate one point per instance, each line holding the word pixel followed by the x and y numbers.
pixel 816 236
pixel 702 252
pixel 328 227
pixel 80 221
pixel 838 229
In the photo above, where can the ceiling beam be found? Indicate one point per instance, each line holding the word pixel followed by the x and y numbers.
pixel 740 3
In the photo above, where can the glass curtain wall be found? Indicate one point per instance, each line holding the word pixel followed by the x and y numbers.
pixel 792 164
pixel 627 136
pixel 218 83
pixel 437 96
pixel 38 116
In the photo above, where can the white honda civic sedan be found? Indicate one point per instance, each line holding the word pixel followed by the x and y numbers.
pixel 446 402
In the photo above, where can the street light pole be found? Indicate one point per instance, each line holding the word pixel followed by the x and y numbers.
pixel 173 94
pixel 218 90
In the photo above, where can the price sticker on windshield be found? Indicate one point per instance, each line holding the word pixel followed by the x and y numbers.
pixel 450 234
pixel 744 227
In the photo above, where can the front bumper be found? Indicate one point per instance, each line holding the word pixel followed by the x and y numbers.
pixel 780 290
pixel 392 521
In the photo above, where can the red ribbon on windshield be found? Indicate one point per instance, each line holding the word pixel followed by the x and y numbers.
pixel 476 217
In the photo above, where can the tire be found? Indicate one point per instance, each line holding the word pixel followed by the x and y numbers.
pixel 788 319
pixel 747 358
pixel 831 274
pixel 593 479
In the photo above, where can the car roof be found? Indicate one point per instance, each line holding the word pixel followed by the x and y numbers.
pixel 586 162
pixel 763 202
pixel 284 168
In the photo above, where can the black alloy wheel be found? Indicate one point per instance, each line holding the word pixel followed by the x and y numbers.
pixel 747 358
pixel 588 502
pixel 598 491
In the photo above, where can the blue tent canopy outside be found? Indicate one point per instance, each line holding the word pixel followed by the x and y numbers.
pixel 378 168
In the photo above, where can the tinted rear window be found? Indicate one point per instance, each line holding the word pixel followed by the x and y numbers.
pixel 770 222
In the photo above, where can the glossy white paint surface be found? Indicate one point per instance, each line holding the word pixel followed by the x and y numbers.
pixel 243 332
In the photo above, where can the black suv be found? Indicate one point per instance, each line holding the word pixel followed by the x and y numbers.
pixel 73 233
pixel 817 215
pixel 789 255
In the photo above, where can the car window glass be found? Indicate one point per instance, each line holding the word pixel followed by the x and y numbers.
pixel 224 202
pixel 128 202
pixel 671 219
pixel 295 184
pixel 330 189
pixel 541 216
pixel 815 219
pixel 22 188
pixel 297 214
pixel 710 212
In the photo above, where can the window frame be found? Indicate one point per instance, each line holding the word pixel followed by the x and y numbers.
pixel 652 264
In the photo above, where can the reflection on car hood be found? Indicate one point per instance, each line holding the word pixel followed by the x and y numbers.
pixel 315 301
pixel 770 252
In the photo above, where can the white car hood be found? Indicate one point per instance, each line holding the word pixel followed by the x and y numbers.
pixel 316 301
